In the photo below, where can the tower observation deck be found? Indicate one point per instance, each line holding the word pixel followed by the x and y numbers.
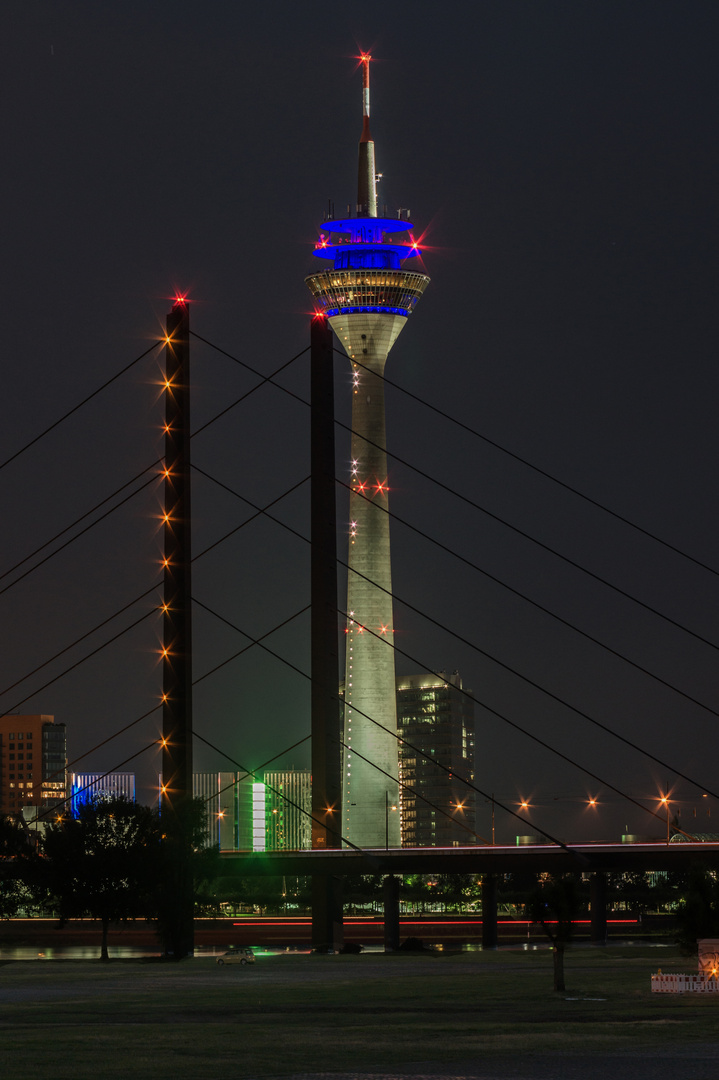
pixel 367 296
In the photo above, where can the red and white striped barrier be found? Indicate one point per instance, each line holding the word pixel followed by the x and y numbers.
pixel 685 984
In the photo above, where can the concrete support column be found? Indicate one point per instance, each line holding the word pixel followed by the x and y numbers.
pixel 390 896
pixel 327 923
pixel 598 908
pixel 489 912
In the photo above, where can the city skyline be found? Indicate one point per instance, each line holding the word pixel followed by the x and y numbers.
pixel 565 165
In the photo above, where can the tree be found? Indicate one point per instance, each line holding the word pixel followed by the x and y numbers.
pixel 698 911
pixel 104 863
pixel 17 857
pixel 555 904
pixel 454 890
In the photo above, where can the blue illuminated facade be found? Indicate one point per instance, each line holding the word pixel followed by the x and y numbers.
pixel 368 275
pixel 90 787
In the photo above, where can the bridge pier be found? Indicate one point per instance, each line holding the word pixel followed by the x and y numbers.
pixel 390 897
pixel 489 912
pixel 598 908
pixel 327 921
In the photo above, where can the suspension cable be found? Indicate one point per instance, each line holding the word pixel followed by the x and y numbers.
pixel 534 468
pixel 494 659
pixel 488 513
pixel 79 405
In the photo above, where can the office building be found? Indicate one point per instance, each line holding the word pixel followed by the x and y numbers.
pixel 288 805
pixel 436 715
pixel 86 787
pixel 234 809
pixel 33 763
pixel 218 791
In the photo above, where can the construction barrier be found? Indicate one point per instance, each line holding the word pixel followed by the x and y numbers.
pixel 684 984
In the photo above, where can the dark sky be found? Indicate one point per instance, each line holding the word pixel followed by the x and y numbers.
pixel 560 160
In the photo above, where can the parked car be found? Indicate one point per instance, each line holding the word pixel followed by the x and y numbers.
pixel 237 956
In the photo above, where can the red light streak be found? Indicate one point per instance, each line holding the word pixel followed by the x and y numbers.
pixel 427 922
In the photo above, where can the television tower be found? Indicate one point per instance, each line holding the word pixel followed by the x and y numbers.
pixel 367 297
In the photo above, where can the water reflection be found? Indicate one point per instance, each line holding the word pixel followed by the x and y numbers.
pixel 72 952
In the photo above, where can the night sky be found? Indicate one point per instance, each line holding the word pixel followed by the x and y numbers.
pixel 560 162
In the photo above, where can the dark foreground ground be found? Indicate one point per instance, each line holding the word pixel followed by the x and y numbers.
pixel 479 1015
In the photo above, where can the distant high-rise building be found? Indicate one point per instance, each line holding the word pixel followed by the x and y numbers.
pixel 218 791
pixel 436 716
pixel 84 787
pixel 367 298
pixel 33 762
pixel 288 805
pixel 228 800
pixel 244 813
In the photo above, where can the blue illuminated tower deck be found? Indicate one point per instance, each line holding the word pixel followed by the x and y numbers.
pixel 367 296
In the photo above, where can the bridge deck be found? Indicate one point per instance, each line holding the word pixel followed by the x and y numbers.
pixel 532 858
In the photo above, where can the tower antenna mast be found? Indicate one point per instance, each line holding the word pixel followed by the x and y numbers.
pixel 366 173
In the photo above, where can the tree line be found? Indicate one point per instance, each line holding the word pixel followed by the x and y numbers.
pixel 107 863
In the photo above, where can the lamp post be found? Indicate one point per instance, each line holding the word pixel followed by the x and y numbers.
pixel 665 802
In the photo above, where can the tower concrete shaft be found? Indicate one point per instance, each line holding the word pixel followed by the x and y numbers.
pixel 370 788
pixel 367 298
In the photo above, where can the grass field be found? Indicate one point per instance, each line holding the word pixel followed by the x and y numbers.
pixel 296 1013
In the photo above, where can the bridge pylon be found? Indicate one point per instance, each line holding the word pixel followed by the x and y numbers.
pixel 327 932
pixel 176 790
